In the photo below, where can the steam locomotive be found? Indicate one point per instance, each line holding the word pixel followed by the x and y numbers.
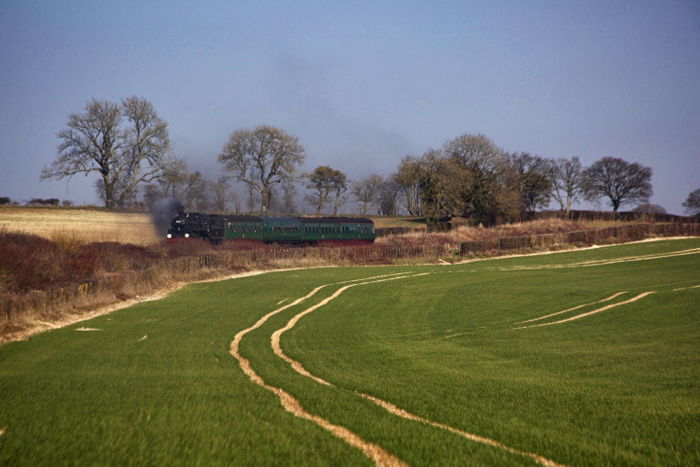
pixel 216 227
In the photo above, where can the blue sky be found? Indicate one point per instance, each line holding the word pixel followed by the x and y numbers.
pixel 361 83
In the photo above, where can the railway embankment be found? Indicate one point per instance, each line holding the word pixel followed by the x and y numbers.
pixel 45 283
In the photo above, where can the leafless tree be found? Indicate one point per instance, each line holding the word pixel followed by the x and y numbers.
pixel 530 178
pixel 262 158
pixel 388 196
pixel 340 187
pixel 477 152
pixel 692 204
pixel 289 192
pixel 126 144
pixel 620 181
pixel 566 176
pixel 408 179
pixel 195 195
pixel 174 177
pixel 366 191
pixel 250 199
pixel 221 194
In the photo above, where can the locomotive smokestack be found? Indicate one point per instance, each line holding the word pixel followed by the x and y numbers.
pixel 163 211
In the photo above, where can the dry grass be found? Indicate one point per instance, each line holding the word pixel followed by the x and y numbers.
pixel 79 225
pixel 381 222
pixel 466 233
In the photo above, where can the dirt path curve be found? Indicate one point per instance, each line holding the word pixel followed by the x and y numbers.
pixel 583 315
pixel 612 297
pixel 292 405
pixel 388 406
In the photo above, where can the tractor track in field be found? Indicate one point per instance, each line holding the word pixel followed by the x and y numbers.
pixel 376 453
pixel 605 262
pixel 612 297
pixel 588 313
pixel 275 342
pixel 597 310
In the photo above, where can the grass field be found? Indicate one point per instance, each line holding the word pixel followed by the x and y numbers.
pixel 550 359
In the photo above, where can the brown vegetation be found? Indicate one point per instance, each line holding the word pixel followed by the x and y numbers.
pixel 44 280
pixel 79 225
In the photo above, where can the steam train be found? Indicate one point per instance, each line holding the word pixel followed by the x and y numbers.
pixel 216 227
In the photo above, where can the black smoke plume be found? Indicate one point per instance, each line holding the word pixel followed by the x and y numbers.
pixel 163 211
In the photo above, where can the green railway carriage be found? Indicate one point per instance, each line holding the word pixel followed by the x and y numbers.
pixel 215 227
pixel 243 227
pixel 281 229
pixel 316 229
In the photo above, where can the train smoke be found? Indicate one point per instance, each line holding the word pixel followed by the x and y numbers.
pixel 163 211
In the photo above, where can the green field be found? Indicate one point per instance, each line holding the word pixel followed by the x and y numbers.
pixel 480 380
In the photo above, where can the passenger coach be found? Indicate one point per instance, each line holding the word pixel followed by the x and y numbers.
pixel 214 227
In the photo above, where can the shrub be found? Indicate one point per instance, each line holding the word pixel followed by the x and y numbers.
pixel 28 262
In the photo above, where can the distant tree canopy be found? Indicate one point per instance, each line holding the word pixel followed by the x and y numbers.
pixel 262 158
pixel 692 204
pixel 620 181
pixel 126 144
pixel 647 208
pixel 324 183
pixel 44 202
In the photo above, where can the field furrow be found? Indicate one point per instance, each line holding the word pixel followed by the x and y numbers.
pixel 388 406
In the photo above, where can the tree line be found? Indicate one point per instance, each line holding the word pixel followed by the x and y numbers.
pixel 127 144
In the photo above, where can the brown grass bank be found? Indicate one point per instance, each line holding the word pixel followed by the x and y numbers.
pixel 45 281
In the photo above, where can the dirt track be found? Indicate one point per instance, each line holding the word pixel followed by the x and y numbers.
pixel 376 453
pixel 391 408
pixel 583 315
pixel 612 297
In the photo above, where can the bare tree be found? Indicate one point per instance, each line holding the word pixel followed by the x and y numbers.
pixel 262 158
pixel 126 144
pixel 366 191
pixel 388 194
pixel 221 194
pixel 289 192
pixel 196 192
pixel 529 177
pixel 250 199
pixel 174 177
pixel 340 187
pixel 408 179
pixel 566 176
pixel 619 181
pixel 692 204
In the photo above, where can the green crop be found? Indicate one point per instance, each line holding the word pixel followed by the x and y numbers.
pixel 156 384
